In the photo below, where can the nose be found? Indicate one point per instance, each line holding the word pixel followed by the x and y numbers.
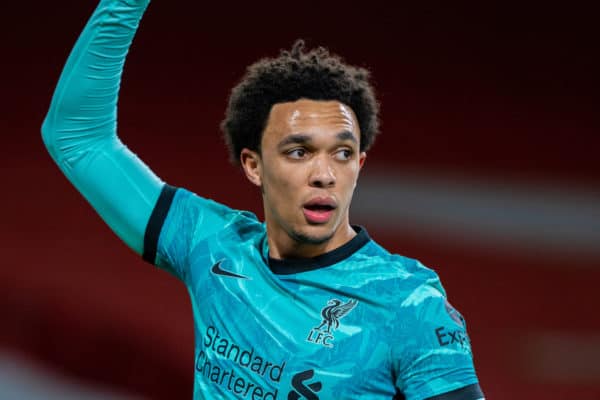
pixel 322 173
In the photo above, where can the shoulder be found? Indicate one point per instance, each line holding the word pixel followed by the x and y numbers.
pixel 402 287
pixel 201 217
pixel 409 277
pixel 191 202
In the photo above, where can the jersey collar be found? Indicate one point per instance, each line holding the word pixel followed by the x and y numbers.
pixel 296 265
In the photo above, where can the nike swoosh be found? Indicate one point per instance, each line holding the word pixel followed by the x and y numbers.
pixel 216 269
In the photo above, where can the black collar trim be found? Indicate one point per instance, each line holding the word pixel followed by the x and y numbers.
pixel 295 265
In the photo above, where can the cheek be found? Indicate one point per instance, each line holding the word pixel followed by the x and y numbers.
pixel 281 183
pixel 285 174
pixel 349 175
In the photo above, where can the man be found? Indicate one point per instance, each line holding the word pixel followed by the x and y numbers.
pixel 304 305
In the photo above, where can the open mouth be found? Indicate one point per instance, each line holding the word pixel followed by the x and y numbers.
pixel 318 211
pixel 319 207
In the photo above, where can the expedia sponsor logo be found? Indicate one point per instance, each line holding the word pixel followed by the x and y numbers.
pixel 446 337
pixel 453 336
pixel 303 389
pixel 331 315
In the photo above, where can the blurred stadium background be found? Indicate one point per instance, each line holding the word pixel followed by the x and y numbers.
pixel 488 171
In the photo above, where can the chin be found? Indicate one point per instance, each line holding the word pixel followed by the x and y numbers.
pixel 319 235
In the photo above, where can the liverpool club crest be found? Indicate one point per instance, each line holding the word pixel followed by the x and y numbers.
pixel 331 314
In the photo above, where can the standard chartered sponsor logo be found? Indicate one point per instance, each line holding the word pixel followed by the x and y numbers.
pixel 218 369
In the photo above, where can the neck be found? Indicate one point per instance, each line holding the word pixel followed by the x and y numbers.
pixel 284 245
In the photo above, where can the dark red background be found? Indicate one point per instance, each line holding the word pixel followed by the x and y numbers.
pixel 494 92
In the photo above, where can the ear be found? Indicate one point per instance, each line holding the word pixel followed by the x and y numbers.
pixel 252 165
pixel 361 160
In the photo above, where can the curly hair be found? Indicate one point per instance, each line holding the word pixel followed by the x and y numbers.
pixel 296 74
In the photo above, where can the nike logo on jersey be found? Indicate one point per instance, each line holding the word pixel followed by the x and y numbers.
pixel 217 270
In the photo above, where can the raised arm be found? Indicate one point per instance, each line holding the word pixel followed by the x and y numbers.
pixel 80 129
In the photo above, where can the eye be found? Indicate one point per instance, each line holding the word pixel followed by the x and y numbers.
pixel 343 155
pixel 297 153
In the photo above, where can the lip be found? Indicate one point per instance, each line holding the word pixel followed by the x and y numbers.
pixel 321 201
pixel 315 215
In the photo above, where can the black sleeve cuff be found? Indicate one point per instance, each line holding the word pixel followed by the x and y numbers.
pixel 155 224
pixel 471 392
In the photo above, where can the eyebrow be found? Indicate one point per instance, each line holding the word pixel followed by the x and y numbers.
pixel 302 138
pixel 347 135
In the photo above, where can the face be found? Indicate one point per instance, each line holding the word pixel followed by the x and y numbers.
pixel 307 171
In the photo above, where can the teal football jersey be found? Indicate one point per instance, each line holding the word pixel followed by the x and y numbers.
pixel 354 323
